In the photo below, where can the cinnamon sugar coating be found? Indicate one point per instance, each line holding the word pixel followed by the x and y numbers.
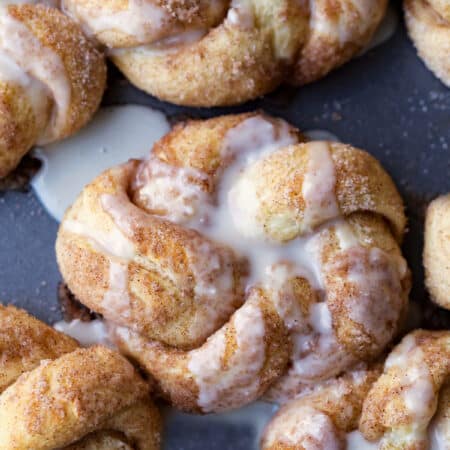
pixel 222 52
pixel 237 259
pixel 56 395
pixel 52 79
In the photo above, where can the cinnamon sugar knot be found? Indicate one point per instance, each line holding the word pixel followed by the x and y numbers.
pixel 56 395
pixel 436 255
pixel 428 24
pixel 51 79
pixel 238 258
pixel 408 407
pixel 221 52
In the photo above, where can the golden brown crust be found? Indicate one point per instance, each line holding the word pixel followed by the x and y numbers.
pixel 321 417
pixel 436 256
pixel 30 111
pixel 133 248
pixel 52 394
pixel 228 52
pixel 428 24
pixel 25 342
pixel 401 404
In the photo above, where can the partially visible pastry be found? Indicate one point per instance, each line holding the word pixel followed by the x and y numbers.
pixel 56 395
pixel 203 53
pixel 428 23
pixel 238 258
pixel 325 419
pixel 405 407
pixel 52 79
pixel 408 407
pixel 436 256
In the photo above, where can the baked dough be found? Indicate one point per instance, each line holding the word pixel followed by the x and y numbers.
pixel 436 256
pixel 409 405
pixel 321 419
pixel 202 53
pixel 56 395
pixel 237 254
pixel 428 23
pixel 51 79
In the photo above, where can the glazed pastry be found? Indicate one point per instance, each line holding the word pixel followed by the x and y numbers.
pixel 326 419
pixel 235 255
pixel 51 79
pixel 408 407
pixel 212 53
pixel 436 255
pixel 55 395
pixel 428 23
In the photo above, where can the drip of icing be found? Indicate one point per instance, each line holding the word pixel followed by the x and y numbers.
pixel 439 434
pixel 138 20
pixel 417 384
pixel 385 31
pixel 86 333
pixel 307 426
pixel 321 135
pixel 114 135
pixel 40 62
pixel 207 366
pixel 356 441
pixel 371 274
pixel 241 14
pixel 116 298
pixel 318 186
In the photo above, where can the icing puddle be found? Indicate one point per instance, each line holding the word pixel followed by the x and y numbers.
pixel 115 135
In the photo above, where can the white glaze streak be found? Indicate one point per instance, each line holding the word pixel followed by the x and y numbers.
pixel 240 378
pixel 41 63
pixel 318 186
pixel 140 18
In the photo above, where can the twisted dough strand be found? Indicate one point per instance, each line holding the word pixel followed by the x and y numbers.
pixel 408 407
pixel 202 53
pixel 322 419
pixel 236 211
pixel 428 24
pixel 51 79
pixel 436 256
pixel 55 395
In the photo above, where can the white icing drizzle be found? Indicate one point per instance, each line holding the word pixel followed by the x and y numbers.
pixel 373 272
pixel 112 242
pixel 213 274
pixel 40 62
pixel 318 186
pixel 356 441
pixel 240 378
pixel 439 432
pixel 160 185
pixel 141 19
pixel 415 378
pixel 307 427
pixel 117 298
pixel 86 333
pixel 357 13
pixel 241 14
pixel 114 135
